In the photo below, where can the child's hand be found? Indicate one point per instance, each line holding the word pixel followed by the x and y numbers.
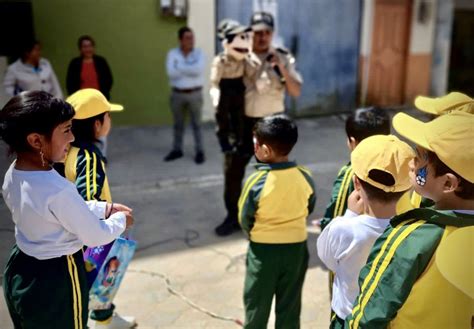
pixel 355 203
pixel 130 220
pixel 116 207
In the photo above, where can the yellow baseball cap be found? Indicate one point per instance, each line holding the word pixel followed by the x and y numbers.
pixel 90 102
pixel 454 101
pixel 386 153
pixel 450 136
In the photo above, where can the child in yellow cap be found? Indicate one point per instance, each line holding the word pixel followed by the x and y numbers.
pixel 452 102
pixel 419 272
pixel 85 166
pixel 380 165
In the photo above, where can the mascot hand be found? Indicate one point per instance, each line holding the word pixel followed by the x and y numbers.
pixel 253 60
pixel 215 96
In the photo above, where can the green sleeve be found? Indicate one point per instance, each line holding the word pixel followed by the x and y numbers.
pixel 90 175
pixel 248 202
pixel 396 261
pixel 341 189
pixel 312 198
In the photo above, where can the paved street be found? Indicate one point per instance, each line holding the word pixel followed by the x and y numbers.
pixel 177 205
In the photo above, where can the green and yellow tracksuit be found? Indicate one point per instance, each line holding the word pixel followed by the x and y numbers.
pixel 85 167
pixel 273 208
pixel 341 189
pixel 419 274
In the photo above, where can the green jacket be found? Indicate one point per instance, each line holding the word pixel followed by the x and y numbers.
pixel 275 203
pixel 403 284
pixel 341 189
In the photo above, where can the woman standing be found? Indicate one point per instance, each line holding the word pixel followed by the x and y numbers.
pixel 88 70
pixel 31 72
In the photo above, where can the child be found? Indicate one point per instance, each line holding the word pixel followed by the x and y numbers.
pixel 227 84
pixel 363 123
pixel 380 165
pixel 454 101
pixel 274 205
pixel 85 167
pixel 419 272
pixel 45 280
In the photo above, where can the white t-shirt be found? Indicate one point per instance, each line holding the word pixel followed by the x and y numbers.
pixel 51 218
pixel 344 246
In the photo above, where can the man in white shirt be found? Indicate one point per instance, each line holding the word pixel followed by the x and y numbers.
pixel 381 170
pixel 185 68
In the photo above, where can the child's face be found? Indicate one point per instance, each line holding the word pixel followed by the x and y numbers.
pixel 103 128
pixel 56 149
pixel 423 177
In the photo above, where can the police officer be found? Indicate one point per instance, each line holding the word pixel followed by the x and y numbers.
pixel 266 85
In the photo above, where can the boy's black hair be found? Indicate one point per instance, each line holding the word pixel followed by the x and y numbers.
pixel 84 130
pixel 182 31
pixel 84 38
pixel 366 122
pixel 465 189
pixel 278 131
pixel 31 112
pixel 375 193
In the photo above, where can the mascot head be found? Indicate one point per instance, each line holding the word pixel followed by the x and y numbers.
pixel 236 38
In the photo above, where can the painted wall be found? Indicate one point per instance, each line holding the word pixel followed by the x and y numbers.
pixel 201 19
pixel 131 35
pixel 325 35
pixel 418 74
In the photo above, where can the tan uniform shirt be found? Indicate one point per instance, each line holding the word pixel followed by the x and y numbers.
pixel 265 93
pixel 226 67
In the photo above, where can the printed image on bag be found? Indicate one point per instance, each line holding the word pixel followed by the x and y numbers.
pixel 111 274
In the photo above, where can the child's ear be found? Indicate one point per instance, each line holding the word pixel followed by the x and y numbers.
pixel 351 143
pixel 451 183
pixel 357 185
pixel 35 140
pixel 266 150
pixel 97 126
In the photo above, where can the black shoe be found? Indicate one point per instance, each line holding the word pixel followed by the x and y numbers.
pixel 227 228
pixel 199 158
pixel 173 155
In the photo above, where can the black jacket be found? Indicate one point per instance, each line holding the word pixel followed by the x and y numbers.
pixel 73 78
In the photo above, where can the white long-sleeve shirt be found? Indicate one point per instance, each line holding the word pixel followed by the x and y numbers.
pixel 185 72
pixel 51 218
pixel 344 246
pixel 21 77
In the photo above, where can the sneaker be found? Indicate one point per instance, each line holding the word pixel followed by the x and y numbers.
pixel 117 322
pixel 173 155
pixel 227 228
pixel 199 158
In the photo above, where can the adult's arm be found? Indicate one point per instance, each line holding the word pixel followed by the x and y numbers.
pixel 9 81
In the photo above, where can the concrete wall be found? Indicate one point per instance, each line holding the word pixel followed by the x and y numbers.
pixel 131 35
pixel 442 48
pixel 418 74
pixel 201 19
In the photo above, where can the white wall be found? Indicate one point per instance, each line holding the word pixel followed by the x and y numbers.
pixel 201 18
pixel 422 33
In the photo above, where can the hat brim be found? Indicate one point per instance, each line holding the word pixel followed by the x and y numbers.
pixel 261 27
pixel 411 128
pixel 116 107
pixel 427 105
pixel 239 29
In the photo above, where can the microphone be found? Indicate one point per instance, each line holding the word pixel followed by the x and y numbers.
pixel 276 68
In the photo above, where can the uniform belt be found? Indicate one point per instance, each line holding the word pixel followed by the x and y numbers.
pixel 186 90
